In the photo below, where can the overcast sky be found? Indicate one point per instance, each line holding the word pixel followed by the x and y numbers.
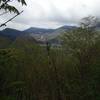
pixel 53 13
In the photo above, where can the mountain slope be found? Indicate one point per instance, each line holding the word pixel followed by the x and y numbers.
pixel 24 42
pixel 4 42
pixel 58 32
pixel 47 34
pixel 10 33
pixel 38 30
pixel 39 34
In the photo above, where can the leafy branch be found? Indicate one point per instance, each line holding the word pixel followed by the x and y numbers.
pixel 4 4
pixel 7 7
pixel 4 24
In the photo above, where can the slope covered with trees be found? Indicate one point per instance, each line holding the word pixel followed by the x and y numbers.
pixel 29 71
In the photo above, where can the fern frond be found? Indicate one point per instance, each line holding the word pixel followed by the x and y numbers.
pixel 9 8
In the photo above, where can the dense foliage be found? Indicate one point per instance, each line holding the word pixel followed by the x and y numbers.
pixel 29 71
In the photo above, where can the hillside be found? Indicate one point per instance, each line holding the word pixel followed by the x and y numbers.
pixel 39 34
pixel 49 34
pixel 36 30
pixel 10 33
pixel 4 42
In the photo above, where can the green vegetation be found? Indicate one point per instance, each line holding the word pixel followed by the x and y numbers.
pixel 29 71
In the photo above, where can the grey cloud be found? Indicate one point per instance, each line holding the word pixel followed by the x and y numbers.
pixel 48 13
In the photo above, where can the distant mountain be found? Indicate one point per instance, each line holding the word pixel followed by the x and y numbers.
pixel 35 30
pixel 38 30
pixel 58 32
pixel 39 34
pixel 97 27
pixel 66 27
pixel 10 33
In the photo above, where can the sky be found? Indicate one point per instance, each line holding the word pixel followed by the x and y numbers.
pixel 52 13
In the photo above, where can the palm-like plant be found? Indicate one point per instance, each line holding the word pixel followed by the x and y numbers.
pixel 4 4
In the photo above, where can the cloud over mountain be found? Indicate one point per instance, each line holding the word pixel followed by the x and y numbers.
pixel 53 13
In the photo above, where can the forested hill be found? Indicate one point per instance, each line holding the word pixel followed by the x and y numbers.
pixel 33 31
pixel 70 71
pixel 10 33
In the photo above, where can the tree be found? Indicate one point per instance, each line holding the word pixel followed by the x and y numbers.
pixel 4 4
pixel 83 44
pixel 89 21
pixel 82 40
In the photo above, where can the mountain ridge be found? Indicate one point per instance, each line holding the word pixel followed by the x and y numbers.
pixel 38 34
